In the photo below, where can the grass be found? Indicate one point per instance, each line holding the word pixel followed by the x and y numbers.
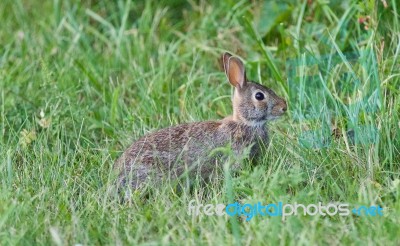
pixel 80 81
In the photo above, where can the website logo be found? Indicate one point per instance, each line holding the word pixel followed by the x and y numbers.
pixel 280 209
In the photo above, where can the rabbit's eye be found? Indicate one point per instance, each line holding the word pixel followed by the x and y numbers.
pixel 259 96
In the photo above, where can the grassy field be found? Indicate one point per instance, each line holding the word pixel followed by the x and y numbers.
pixel 80 81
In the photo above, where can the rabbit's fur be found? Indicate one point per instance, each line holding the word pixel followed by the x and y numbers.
pixel 172 151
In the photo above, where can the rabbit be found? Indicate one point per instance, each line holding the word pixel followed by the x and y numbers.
pixel 172 151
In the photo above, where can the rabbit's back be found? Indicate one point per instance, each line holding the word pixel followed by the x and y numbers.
pixel 165 145
pixel 178 148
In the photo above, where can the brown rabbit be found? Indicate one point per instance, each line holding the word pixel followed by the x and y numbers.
pixel 170 152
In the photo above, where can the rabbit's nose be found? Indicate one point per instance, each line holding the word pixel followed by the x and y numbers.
pixel 279 108
pixel 284 107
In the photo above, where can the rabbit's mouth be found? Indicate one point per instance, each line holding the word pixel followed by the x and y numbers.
pixel 278 109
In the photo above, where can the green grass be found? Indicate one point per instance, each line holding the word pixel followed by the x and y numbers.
pixel 80 81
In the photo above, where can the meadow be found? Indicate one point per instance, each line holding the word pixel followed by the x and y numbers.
pixel 81 80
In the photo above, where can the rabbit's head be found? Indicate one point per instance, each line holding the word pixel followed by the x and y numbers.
pixel 253 104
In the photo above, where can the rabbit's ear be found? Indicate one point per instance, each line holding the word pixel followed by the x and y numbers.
pixel 234 70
